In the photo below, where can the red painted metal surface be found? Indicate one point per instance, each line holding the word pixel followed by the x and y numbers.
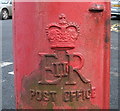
pixel 62 55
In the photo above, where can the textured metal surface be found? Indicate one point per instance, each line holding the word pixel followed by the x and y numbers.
pixel 61 55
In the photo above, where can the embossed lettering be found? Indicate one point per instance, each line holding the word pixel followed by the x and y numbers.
pixel 53 95
pixel 70 71
pixel 88 94
pixel 60 69
pixel 72 95
pixel 43 81
pixel 33 93
pixel 93 93
pixel 66 96
pixel 45 96
pixel 78 94
pixel 38 95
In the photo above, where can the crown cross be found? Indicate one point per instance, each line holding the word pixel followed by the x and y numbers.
pixel 62 18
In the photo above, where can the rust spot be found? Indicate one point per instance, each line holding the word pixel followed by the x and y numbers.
pixel 39 95
pixel 107 39
pixel 107 31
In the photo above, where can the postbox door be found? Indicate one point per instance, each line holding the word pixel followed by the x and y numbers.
pixel 61 53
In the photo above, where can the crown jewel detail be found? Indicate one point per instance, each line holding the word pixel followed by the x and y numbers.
pixel 62 34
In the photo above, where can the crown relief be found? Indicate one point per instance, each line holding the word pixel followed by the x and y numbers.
pixel 63 32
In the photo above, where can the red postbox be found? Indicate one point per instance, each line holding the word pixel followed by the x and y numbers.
pixel 62 53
